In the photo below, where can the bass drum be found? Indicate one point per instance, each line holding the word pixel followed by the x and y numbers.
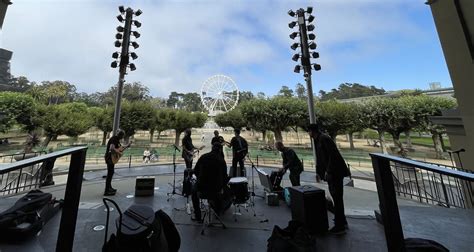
pixel 239 189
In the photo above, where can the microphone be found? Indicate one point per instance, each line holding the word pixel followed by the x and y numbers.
pixel 176 148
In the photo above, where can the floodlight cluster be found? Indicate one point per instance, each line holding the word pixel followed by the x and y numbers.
pixel 124 33
pixel 303 22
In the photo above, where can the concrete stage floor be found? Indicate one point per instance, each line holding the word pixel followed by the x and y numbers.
pixel 451 227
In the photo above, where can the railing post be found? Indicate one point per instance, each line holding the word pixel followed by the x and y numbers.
pixel 72 196
pixel 19 179
pixel 130 162
pixel 388 204
pixel 445 193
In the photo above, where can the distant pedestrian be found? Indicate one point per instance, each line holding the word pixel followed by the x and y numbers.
pixel 330 166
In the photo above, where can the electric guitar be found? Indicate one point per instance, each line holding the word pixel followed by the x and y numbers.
pixel 116 155
pixel 189 155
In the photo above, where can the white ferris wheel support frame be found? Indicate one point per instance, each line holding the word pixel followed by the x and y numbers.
pixel 219 93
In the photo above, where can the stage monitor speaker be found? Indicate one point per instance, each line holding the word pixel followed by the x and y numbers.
pixel 308 206
pixel 145 186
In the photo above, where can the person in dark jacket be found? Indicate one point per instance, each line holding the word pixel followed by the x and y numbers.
pixel 290 162
pixel 331 167
pixel 211 178
pixel 239 152
pixel 188 149
pixel 113 145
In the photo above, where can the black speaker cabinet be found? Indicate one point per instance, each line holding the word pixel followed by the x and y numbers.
pixel 308 205
pixel 145 186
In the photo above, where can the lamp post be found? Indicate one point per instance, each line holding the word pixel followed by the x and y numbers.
pixel 122 60
pixel 305 55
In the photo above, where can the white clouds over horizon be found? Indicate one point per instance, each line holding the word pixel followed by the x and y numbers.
pixel 183 42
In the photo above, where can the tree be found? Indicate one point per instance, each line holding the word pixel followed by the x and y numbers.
pixel 403 119
pixel 131 92
pixel 350 90
pixel 159 122
pixel 245 96
pixel 275 114
pixel 232 119
pixel 354 115
pixel 91 100
pixel 17 108
pixel 162 121
pixel 174 100
pixel 192 102
pixel 261 95
pixel 38 93
pixel 300 91
pixel 180 120
pixel 58 91
pixel 103 120
pixel 427 107
pixel 285 91
pixel 17 84
pixel 377 113
pixel 338 118
pixel 135 116
pixel 71 119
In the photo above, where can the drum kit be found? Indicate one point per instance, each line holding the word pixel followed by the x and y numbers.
pixel 241 195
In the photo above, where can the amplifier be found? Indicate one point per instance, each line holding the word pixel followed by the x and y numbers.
pixel 272 199
pixel 145 186
pixel 308 206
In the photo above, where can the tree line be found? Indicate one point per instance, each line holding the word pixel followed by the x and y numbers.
pixel 394 115
pixel 75 118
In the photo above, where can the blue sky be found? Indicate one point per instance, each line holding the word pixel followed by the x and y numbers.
pixel 389 44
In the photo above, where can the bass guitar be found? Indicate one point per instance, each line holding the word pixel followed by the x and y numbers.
pixel 116 155
pixel 189 155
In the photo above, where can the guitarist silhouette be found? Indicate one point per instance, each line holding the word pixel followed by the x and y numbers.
pixel 188 155
pixel 113 146
pixel 239 150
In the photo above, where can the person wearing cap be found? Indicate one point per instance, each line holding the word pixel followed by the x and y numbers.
pixel 113 145
pixel 331 167
pixel 239 151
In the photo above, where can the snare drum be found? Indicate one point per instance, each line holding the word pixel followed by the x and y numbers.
pixel 239 189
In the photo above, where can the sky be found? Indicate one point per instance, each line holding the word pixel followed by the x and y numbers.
pixel 388 44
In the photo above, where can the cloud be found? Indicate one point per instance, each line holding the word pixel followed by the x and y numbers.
pixel 183 42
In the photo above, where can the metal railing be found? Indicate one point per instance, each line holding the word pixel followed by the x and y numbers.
pixel 20 156
pixel 443 186
pixel 71 195
pixel 427 183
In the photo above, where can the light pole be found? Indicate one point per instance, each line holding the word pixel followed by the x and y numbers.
pixel 122 60
pixel 302 16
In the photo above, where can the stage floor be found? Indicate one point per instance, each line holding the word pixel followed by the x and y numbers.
pixel 249 233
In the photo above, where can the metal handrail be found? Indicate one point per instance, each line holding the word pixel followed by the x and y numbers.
pixel 72 192
pixel 458 183
pixel 425 166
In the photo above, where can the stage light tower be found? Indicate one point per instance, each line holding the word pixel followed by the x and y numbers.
pixel 122 59
pixel 305 55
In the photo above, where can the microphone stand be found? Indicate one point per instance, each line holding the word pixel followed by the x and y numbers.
pixel 170 195
pixel 253 180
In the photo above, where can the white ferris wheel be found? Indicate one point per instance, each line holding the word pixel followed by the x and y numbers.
pixel 219 94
